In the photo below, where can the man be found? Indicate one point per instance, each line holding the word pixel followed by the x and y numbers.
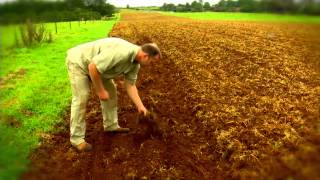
pixel 99 62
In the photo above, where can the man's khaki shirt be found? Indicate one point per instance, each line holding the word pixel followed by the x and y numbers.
pixel 112 57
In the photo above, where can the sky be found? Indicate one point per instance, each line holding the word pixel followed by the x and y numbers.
pixel 135 3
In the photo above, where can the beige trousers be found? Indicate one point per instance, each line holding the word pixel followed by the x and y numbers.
pixel 80 86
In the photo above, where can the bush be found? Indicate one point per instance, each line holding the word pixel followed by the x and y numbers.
pixel 32 34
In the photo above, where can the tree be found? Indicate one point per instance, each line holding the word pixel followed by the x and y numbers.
pixel 309 7
pixel 73 4
pixel 94 2
pixel 188 7
pixel 105 9
pixel 168 7
pixel 248 5
pixel 206 6
pixel 278 6
pixel 181 8
pixel 163 7
pixel 221 6
pixel 41 10
pixel 196 6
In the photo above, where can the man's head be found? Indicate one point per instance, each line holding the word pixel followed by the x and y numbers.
pixel 149 52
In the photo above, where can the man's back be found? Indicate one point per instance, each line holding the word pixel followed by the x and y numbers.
pixel 110 49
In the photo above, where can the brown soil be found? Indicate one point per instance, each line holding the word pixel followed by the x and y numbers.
pixel 12 76
pixel 234 100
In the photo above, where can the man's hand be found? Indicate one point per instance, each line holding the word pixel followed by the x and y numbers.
pixel 103 95
pixel 142 110
pixel 97 82
pixel 133 94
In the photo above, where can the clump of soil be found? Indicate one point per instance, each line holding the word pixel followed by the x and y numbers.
pixel 149 126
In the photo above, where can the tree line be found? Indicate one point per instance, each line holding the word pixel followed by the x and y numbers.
pixel 311 7
pixel 54 11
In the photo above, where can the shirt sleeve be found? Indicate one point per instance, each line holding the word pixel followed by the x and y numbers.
pixel 103 62
pixel 132 75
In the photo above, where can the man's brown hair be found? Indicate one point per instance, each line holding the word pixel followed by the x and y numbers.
pixel 151 49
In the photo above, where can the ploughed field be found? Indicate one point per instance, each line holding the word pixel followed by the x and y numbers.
pixel 235 100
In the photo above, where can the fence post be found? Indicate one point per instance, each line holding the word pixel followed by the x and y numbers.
pixel 70 24
pixel 55 25
pixel 16 38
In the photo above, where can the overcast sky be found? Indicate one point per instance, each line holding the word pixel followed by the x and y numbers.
pixel 133 3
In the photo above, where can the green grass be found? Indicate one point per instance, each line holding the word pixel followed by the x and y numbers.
pixel 265 17
pixel 34 101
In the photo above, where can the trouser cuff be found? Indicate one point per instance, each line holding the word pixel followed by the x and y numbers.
pixel 76 141
pixel 112 127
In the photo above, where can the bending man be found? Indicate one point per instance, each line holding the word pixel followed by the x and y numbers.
pixel 100 62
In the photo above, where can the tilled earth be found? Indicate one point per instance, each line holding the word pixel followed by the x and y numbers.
pixel 236 100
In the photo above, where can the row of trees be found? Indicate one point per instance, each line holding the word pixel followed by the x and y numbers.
pixel 195 6
pixel 278 6
pixel 66 10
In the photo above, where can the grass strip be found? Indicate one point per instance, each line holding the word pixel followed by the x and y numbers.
pixel 35 90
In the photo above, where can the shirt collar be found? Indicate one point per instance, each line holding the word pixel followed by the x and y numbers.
pixel 135 52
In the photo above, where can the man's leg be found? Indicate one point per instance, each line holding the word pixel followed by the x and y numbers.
pixel 80 93
pixel 109 107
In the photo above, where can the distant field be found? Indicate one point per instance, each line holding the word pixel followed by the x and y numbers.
pixel 249 17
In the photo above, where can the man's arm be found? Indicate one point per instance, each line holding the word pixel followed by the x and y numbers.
pixel 97 82
pixel 134 96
